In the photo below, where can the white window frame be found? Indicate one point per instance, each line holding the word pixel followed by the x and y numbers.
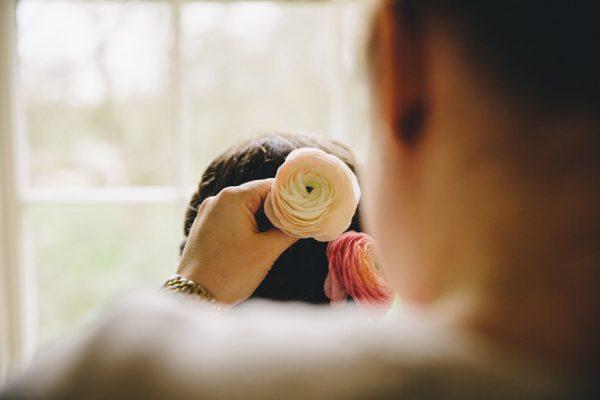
pixel 18 303
pixel 14 342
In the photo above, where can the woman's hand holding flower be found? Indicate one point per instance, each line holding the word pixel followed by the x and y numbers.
pixel 225 252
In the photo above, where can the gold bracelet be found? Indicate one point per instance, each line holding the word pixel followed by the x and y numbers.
pixel 180 285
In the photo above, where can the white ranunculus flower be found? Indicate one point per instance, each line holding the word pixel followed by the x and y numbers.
pixel 315 194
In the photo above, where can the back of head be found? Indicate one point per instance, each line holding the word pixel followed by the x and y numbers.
pixel 493 106
pixel 299 273
pixel 544 50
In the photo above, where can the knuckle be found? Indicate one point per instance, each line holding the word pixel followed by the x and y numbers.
pixel 205 203
pixel 228 193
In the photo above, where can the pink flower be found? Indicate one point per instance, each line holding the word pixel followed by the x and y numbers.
pixel 315 194
pixel 353 270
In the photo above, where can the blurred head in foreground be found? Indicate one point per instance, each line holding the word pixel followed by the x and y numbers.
pixel 299 273
pixel 485 166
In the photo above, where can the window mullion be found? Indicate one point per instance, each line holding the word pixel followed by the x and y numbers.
pixel 337 74
pixel 182 154
pixel 119 195
pixel 16 316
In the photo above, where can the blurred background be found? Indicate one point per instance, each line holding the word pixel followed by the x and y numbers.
pixel 118 107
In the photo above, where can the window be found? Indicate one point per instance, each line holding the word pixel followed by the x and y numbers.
pixel 113 110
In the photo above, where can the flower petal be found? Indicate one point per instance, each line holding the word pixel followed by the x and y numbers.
pixel 315 194
pixel 352 259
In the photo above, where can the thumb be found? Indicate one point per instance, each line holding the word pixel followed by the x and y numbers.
pixel 254 193
pixel 277 241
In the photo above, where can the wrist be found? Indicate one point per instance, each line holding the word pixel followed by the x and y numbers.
pixel 181 285
pixel 192 274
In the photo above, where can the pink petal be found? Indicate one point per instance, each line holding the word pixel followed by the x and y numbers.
pixel 334 290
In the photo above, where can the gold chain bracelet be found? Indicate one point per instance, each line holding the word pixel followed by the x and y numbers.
pixel 183 286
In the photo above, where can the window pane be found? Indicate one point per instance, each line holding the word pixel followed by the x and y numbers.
pixel 94 84
pixel 254 67
pixel 87 255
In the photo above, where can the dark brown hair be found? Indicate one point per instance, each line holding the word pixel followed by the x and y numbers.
pixel 299 273
pixel 542 50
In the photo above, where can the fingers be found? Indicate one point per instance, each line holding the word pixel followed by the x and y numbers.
pixel 261 186
pixel 277 240
pixel 251 194
pixel 206 203
pixel 254 193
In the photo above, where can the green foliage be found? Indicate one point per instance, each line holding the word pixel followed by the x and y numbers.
pixel 87 255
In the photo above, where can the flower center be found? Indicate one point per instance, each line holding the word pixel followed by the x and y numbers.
pixel 309 189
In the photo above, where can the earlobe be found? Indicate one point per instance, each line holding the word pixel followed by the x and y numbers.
pixel 401 69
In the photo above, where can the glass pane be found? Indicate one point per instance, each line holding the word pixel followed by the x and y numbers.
pixel 354 96
pixel 87 255
pixel 94 84
pixel 255 67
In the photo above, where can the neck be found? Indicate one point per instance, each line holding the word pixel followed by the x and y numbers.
pixel 545 301
pixel 510 202
pixel 537 229
pixel 560 333
pixel 537 258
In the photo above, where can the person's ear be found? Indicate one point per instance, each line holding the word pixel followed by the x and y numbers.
pixel 400 69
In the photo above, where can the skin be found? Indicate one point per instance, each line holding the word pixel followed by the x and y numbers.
pixel 493 213
pixel 474 215
pixel 225 252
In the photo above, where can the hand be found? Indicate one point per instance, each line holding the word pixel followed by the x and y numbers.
pixel 225 252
